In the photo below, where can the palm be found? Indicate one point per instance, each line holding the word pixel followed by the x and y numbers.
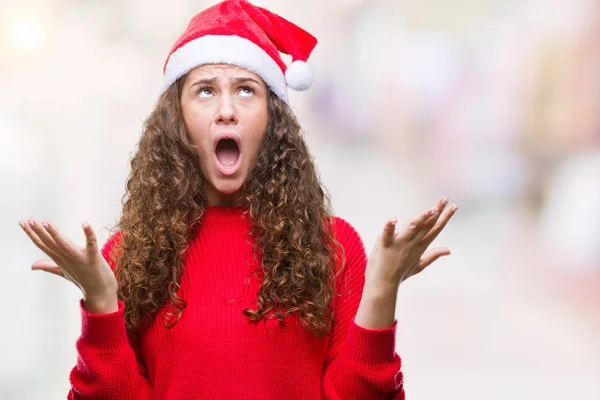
pixel 85 267
pixel 397 256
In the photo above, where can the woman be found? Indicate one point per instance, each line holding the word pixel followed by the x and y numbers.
pixel 227 277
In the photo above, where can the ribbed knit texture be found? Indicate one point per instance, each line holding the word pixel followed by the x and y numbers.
pixel 214 352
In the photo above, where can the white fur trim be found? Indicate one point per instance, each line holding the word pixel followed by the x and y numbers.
pixel 217 49
pixel 298 75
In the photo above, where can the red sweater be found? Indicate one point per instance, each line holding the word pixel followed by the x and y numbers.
pixel 213 352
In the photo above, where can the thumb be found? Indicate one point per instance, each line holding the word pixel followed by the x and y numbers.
pixel 48 266
pixel 91 243
pixel 387 237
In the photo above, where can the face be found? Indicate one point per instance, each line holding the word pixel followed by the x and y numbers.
pixel 225 111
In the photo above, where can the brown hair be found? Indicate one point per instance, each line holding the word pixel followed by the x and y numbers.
pixel 287 205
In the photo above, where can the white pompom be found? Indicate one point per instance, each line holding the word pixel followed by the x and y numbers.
pixel 298 76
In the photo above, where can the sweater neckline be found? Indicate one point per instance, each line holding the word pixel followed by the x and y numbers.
pixel 224 213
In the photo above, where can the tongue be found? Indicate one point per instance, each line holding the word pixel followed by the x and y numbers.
pixel 227 152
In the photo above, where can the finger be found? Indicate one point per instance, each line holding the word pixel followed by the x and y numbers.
pixel 410 230
pixel 441 204
pixel 48 266
pixel 45 232
pixel 440 225
pixel 91 242
pixel 426 227
pixel 29 230
pixel 431 256
pixel 64 245
pixel 387 238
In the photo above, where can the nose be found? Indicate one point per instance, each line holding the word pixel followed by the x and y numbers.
pixel 226 111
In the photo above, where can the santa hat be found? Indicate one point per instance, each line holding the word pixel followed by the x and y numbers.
pixel 239 33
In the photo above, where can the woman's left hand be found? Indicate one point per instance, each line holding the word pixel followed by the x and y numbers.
pixel 397 256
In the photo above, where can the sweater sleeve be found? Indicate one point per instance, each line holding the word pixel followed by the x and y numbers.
pixel 360 363
pixel 109 363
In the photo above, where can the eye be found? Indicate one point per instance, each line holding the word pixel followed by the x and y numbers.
pixel 246 91
pixel 205 92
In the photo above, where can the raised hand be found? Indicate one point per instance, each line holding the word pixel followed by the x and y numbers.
pixel 397 256
pixel 84 267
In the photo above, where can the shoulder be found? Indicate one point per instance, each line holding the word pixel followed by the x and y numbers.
pixel 351 262
pixel 107 248
pixel 350 241
pixel 346 233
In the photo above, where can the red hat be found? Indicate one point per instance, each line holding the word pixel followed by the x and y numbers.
pixel 239 33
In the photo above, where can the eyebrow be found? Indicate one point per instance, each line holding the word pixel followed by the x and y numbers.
pixel 243 79
pixel 206 81
pixel 238 80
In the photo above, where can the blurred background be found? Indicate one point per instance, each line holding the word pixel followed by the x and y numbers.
pixel 493 103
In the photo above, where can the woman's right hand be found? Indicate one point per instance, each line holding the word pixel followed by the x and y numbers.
pixel 85 267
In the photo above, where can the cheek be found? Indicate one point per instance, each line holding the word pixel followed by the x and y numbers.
pixel 259 124
pixel 197 129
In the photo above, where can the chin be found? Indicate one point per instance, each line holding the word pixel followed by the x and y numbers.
pixel 228 186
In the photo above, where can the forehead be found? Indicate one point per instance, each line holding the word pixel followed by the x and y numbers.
pixel 221 71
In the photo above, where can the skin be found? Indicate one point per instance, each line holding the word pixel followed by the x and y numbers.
pixel 223 98
pixel 84 267
pixel 396 256
pixel 218 99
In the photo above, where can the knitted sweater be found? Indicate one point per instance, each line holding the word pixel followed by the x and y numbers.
pixel 214 352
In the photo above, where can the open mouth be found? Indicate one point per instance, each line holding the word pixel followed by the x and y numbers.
pixel 228 152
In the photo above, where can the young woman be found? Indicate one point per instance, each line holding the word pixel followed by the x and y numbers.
pixel 227 277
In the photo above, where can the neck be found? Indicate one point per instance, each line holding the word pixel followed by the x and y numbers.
pixel 214 198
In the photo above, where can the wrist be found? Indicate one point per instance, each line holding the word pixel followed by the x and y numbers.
pixel 377 307
pixel 105 303
pixel 381 289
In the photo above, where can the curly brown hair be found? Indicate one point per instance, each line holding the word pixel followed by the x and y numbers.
pixel 286 203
